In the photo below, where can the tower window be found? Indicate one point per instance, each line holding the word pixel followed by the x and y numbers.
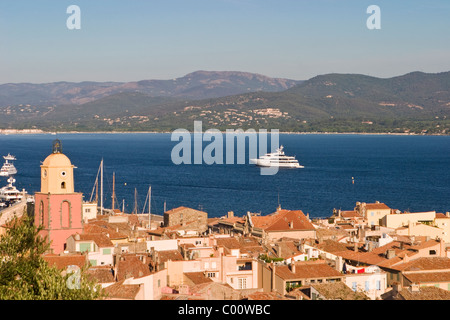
pixel 41 213
pixel 63 185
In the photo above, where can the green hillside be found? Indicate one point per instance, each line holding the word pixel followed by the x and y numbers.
pixel 415 102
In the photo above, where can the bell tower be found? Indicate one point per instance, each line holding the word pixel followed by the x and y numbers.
pixel 57 207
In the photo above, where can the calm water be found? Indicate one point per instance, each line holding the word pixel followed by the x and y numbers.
pixel 405 172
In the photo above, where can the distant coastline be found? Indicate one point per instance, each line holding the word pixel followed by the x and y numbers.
pixel 39 131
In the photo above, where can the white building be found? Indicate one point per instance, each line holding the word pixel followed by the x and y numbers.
pixel 371 282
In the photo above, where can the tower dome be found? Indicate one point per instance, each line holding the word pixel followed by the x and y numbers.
pixel 57 172
pixel 57 160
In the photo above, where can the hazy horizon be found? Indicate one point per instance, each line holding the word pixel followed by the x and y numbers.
pixel 181 76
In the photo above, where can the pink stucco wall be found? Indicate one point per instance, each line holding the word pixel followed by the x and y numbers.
pixel 60 215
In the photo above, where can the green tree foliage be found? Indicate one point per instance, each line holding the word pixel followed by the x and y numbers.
pixel 25 275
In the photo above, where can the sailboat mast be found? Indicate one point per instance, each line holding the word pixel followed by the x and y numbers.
pixel 96 191
pixel 149 206
pixel 135 201
pixel 101 188
pixel 113 191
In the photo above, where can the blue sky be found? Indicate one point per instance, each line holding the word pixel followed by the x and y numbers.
pixel 132 40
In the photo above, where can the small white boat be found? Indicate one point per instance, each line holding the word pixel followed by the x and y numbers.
pixel 277 159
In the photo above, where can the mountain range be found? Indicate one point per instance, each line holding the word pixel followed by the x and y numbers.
pixel 414 102
pixel 196 85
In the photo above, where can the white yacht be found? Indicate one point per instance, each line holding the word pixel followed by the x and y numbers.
pixel 277 159
pixel 8 168
pixel 9 194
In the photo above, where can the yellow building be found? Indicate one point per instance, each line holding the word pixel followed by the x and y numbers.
pixel 373 213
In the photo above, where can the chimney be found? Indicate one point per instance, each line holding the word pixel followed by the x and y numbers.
pixel 230 214
pixel 273 276
pixel 292 265
pixel 447 214
pixel 414 287
pixel 279 250
pixel 397 287
pixel 339 263
pixel 301 246
pixel 390 253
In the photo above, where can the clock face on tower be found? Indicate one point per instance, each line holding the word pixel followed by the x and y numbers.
pixel 63 174
pixel 44 174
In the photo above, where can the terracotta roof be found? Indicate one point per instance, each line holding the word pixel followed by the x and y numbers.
pixel 332 246
pixel 62 262
pixel 99 226
pixel 122 291
pixel 330 233
pixel 231 220
pixel 207 286
pixel 425 263
pixel 428 277
pixel 375 206
pixel 338 291
pixel 425 293
pixel 283 220
pixel 307 269
pixel 251 248
pixel 266 296
pixel 286 249
pixel 249 242
pixel 131 266
pixel 378 255
pixel 229 243
pixel 441 216
pixel 349 214
pixel 102 274
pixel 169 255
pixel 100 239
pixel 181 209
pixel 197 277
pixel 298 294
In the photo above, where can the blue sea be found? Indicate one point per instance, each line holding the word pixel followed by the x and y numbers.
pixel 405 172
